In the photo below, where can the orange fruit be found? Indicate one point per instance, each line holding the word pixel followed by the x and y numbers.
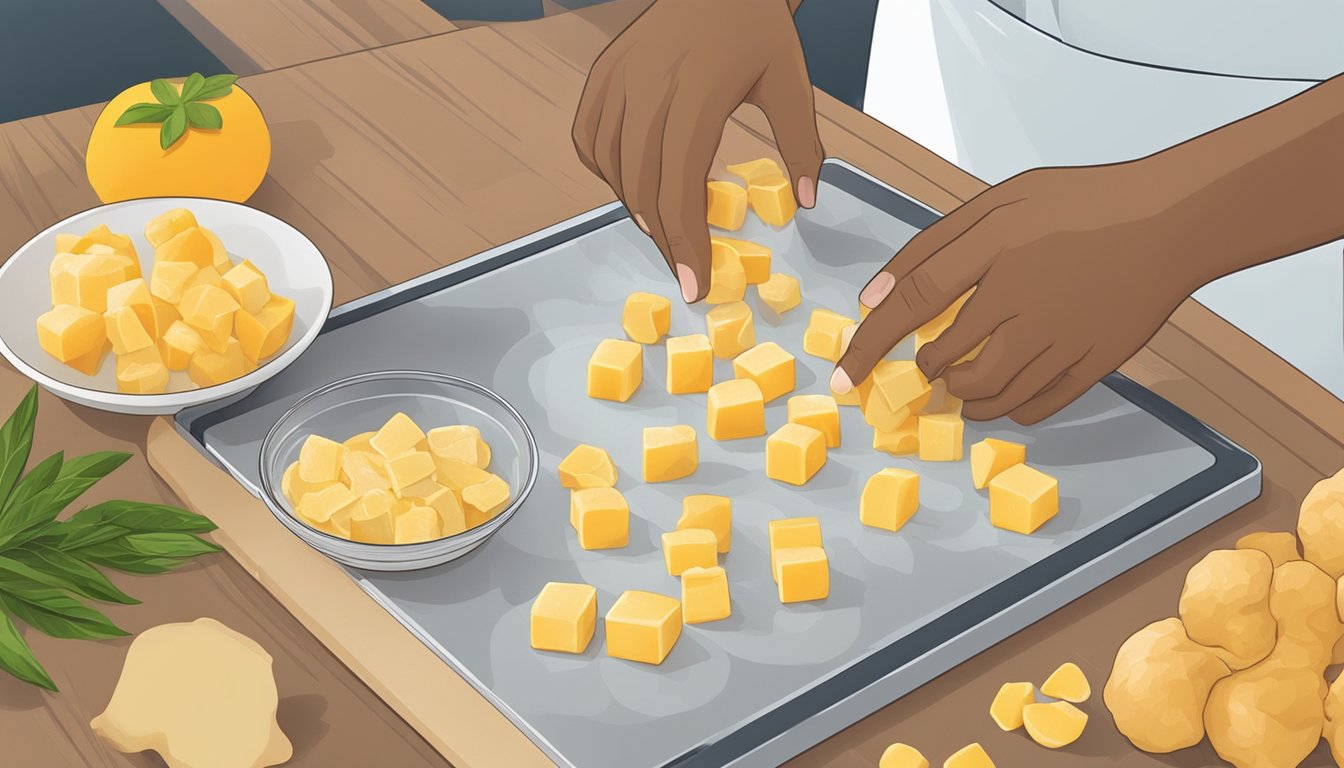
pixel 126 162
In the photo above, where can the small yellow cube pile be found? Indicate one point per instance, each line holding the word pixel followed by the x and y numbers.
pixel 1052 724
pixel 643 626
pixel 564 617
pixel 798 561
pixel 199 311
pixel 396 485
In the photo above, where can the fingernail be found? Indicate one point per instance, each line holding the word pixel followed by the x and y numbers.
pixel 877 289
pixel 686 277
pixel 807 192
pixel 639 222
pixel 840 383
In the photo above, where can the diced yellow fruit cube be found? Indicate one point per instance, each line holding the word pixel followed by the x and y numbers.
pixel 803 573
pixel 371 521
pixel 221 262
pixel 461 442
pixel 941 437
pixel 601 517
pixel 62 280
pixel 458 475
pixel 772 199
pixel 293 488
pixel 320 460
pixel 134 294
pixel 168 224
pixel 363 472
pixel 754 257
pixel 769 366
pixel 752 170
pixel 102 236
pixel 793 532
pixel 188 245
pixel 819 412
pixel 704 595
pixel 969 756
pixel 417 525
pixel 321 506
pixel 67 332
pixel 1022 499
pixel 168 279
pixel 731 329
pixel 900 383
pixel 564 617
pixel 902 441
pixel 670 453
pixel 203 276
pixel 713 513
pixel 162 316
pixel 615 370
pixel 940 400
pixel 935 327
pixel 247 286
pixel 646 317
pixel 125 331
pixel 210 311
pixel 735 409
pixel 690 364
pixel 90 362
pixel 359 442
pixel 452 517
pixel 726 206
pixel 178 344
pixel 1067 683
pixel 85 279
pixel 65 242
pixel 484 500
pixel 991 456
pixel 727 276
pixel 587 466
pixel 1006 709
pixel 822 337
pixel 902 756
pixel 265 333
pixel 412 474
pixel 1054 725
pixel 890 498
pixel 398 435
pixel 881 416
pixel 208 367
pixel 643 626
pixel 142 372
pixel 794 453
pixel 689 548
pixel 780 292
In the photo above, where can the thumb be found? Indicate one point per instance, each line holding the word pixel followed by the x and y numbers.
pixel 784 94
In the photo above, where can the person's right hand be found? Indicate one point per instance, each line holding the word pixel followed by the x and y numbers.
pixel 653 111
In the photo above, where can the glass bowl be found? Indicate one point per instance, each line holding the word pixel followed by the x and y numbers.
pixel 363 403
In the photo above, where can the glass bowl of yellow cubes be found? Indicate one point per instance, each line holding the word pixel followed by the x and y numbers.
pixel 398 470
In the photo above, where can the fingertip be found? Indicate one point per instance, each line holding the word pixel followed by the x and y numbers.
pixel 877 289
pixel 841 384
pixel 690 287
pixel 639 222
pixel 807 192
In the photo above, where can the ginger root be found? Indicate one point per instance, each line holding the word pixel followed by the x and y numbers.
pixel 1267 716
pixel 1225 605
pixel 1320 525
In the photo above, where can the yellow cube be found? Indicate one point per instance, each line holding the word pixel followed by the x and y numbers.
pixel 359 442
pixel 1068 683
pixel 822 337
pixel 690 364
pixel 203 276
pixel 890 498
pixel 704 595
pixel 1022 499
pixel 754 257
pixel 772 199
pixel 416 525
pixel 321 506
pixel 689 548
pixel 102 236
pixel 780 292
pixel 819 412
pixel 452 517
pixel 940 437
pixel 713 513
pixel 564 617
pixel 458 475
pixel 748 172
pixel 320 460
pixel 726 206
pixel 769 366
pixel 587 466
pixel 210 311
pixel 125 331
pixel 293 488
pixel 222 263
pixel 178 344
pixel 969 756
pixel 90 362
pixel 881 416
pixel 208 367
pixel 67 332
pixel 168 279
pixel 727 276
pixel 85 279
pixel 1054 725
pixel 601 518
pixel 168 224
pixel 900 383
pixel 484 500
pixel 247 286
pixel 162 316
pixel 794 453
pixel 265 333
pixel 371 521
pixel 65 242
pixel 188 245
pixel 802 573
pixel 643 626
pixel 935 327
pixel 991 456
pixel 670 453
pixel 461 442
pixel 902 441
pixel 902 756
pixel 363 472
pixel 735 409
pixel 134 294
pixel 142 372
pixel 399 434
pixel 646 317
pixel 940 400
pixel 615 370
pixel 731 329
pixel 412 474
pixel 793 532
pixel 1006 709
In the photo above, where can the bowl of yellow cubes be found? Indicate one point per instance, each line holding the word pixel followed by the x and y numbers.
pixel 398 470
pixel 150 306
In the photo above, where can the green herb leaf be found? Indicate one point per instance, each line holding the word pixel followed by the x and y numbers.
pixel 16 441
pixel 192 86
pixel 204 116
pixel 23 522
pixel 142 517
pixel 37 480
pixel 174 126
pixel 116 556
pixel 216 86
pixel 165 92
pixel 17 658
pixel 144 113
pixel 58 569
pixel 168 545
pixel 57 614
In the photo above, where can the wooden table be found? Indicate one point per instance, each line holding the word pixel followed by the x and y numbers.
pixel 433 145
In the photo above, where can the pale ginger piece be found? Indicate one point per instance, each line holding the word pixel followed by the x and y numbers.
pixel 587 466
pixel 772 199
pixel 1320 525
pixel 780 292
pixel 1225 605
pixel 969 756
pixel 1054 725
pixel 461 442
pixel 1302 601
pixel 199 694
pixel 646 317
pixel 726 206
pixel 991 456
pixel 1068 683
pixel 755 258
pixel 1159 686
pixel 1334 719
pixel 731 329
pixel 1267 716
pixel 1012 698
pixel 902 756
pixel 1281 546
pixel 727 275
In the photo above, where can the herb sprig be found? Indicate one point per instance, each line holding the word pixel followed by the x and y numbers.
pixel 178 111
pixel 49 566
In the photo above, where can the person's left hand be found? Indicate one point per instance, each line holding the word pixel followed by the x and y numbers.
pixel 1074 269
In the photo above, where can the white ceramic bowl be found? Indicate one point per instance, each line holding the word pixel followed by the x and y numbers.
pixel 292 264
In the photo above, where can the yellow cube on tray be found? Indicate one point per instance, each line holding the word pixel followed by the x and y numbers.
pixel 731 329
pixel 793 532
pixel 320 460
pixel 67 332
pixel 90 362
pixel 208 367
pixel 134 294
pixel 222 261
pixel 142 372
pixel 902 441
pixel 941 437
pixel 363 472
pixel 819 412
pixel 399 434
pixel 726 206
pixel 615 370
pixel 210 310
pixel 265 332
pixel 564 617
pixel 247 285
pixel 412 474
pixel 168 279
pixel 704 595
pixel 189 245
pixel 750 171
pixel 780 292
pixel 461 442
pixel 1022 499
pixel 772 199
pixel 767 364
pixel 203 276
pixel 794 453
pixel 890 498
pixel 900 383
pixel 84 280
pixel 417 525
pixel 587 466
pixel 735 409
pixel 902 756
pixel 754 257
pixel 452 517
pixel 802 573
pixel 727 276
pixel 371 521
pixel 991 456
pixel 483 501
pixel 690 364
pixel 125 331
pixel 646 317
pixel 643 626
pixel 670 453
pixel 320 506
pixel 689 548
pixel 881 416
pixel 458 475
pixel 601 518
pixel 713 513
pixel 822 337
pixel 168 224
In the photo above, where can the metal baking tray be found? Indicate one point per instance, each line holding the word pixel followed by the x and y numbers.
pixel 1135 475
